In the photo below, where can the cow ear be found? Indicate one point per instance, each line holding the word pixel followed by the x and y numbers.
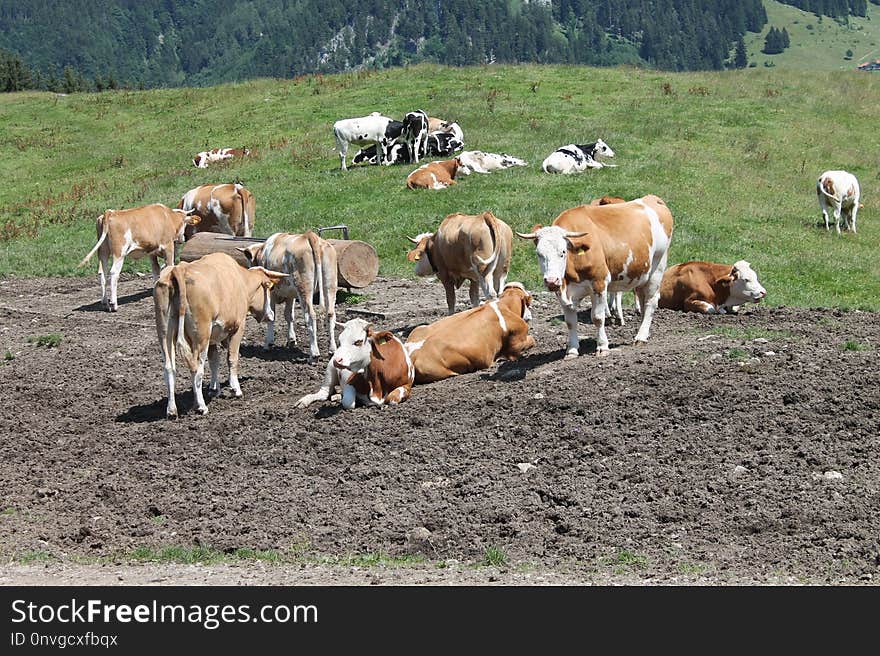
pixel 577 245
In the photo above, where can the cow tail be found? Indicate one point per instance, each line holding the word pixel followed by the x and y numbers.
pixel 178 277
pixel 163 297
pixel 105 227
pixel 318 258
pixel 492 262
pixel 819 187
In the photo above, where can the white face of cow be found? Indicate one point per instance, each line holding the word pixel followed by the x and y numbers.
pixel 551 247
pixel 355 351
pixel 745 286
pixel 603 149
pixel 419 255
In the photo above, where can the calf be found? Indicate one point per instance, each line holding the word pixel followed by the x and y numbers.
pixel 415 132
pixel 604 249
pixel 480 162
pixel 840 191
pixel 474 339
pixel 226 208
pixel 202 304
pixel 374 129
pixel 398 153
pixel 710 288
pixel 466 247
pixel 574 159
pixel 434 175
pixel 148 230
pixel 371 367
pixel 310 263
pixel 218 155
pixel 442 144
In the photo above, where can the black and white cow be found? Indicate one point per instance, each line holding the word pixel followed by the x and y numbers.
pixel 443 144
pixel 397 153
pixel 415 132
pixel 373 129
pixel 574 158
pixel 479 162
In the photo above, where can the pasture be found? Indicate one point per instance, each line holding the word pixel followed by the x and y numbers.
pixel 731 449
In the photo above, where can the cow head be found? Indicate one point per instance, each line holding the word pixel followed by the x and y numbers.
pixel 200 160
pixel 189 219
pixel 253 253
pixel 355 350
pixel 552 245
pixel 517 291
pixel 421 254
pixel 602 149
pixel 743 285
pixel 259 303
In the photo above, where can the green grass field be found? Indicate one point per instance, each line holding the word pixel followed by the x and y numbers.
pixel 735 155
pixel 818 44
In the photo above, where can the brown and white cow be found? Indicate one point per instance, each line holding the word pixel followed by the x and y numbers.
pixel 840 191
pixel 434 175
pixel 147 230
pixel 202 304
pixel 368 366
pixel 206 157
pixel 465 247
pixel 598 250
pixel 606 200
pixel 474 339
pixel 227 208
pixel 709 287
pixel 310 263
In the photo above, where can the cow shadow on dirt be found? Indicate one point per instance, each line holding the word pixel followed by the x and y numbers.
pixel 98 306
pixel 149 412
pixel 275 354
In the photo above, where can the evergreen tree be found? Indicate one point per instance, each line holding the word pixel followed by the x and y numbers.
pixel 740 59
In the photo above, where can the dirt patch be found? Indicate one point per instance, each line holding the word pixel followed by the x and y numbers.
pixel 729 449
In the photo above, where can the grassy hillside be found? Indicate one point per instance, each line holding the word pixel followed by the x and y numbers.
pixel 818 44
pixel 735 154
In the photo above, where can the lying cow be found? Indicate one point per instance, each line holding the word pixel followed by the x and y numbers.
pixel 710 288
pixel 371 367
pixel 434 175
pixel 374 129
pixel 480 162
pixel 442 144
pixel 226 208
pixel 202 304
pixel 600 250
pixel 607 200
pixel 398 153
pixel 840 191
pixel 436 125
pixel 310 263
pixel 218 155
pixel 465 247
pixel 474 339
pixel 148 230
pixel 415 133
pixel 574 159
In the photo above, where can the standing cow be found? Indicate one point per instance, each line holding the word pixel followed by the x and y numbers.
pixel 597 250
pixel 415 133
pixel 840 191
pixel 466 247
pixel 364 131
pixel 310 263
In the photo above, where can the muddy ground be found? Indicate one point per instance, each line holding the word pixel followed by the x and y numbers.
pixel 733 449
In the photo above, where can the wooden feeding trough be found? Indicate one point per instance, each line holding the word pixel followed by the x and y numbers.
pixel 357 264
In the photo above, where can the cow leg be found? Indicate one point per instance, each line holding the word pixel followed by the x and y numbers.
pixel 474 293
pixel 270 326
pixel 517 345
pixel 154 265
pixel 168 340
pixel 701 307
pixel 289 311
pixel 115 270
pixel 398 395
pixel 598 313
pixel 853 212
pixel 837 209
pixel 615 310
pixel 232 360
pixel 450 296
pixel 571 322
pixel 214 362
pixel 343 150
pixel 331 380
pixel 823 205
pixel 305 299
pixel 102 268
pixel 649 296
pixel 198 377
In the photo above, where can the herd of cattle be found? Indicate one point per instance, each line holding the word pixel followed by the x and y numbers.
pixel 599 250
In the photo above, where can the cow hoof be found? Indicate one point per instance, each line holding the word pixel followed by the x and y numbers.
pixel 171 415
pixel 603 353
pixel 112 308
pixel 640 342
pixel 570 355
pixel 203 411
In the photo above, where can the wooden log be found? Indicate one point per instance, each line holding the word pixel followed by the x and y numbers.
pixel 357 263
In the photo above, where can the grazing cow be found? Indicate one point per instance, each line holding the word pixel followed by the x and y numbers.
pixel 310 263
pixel 472 340
pixel 371 367
pixel 480 162
pixel 148 230
pixel 397 153
pixel 218 155
pixel 226 208
pixel 434 175
pixel 574 159
pixel 415 132
pixel 710 288
pixel 465 247
pixel 442 144
pixel 840 191
pixel 601 250
pixel 374 129
pixel 202 304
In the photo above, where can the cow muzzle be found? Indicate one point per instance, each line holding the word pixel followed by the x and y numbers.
pixel 552 284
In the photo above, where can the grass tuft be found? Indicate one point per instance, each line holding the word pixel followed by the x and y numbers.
pixel 52 340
